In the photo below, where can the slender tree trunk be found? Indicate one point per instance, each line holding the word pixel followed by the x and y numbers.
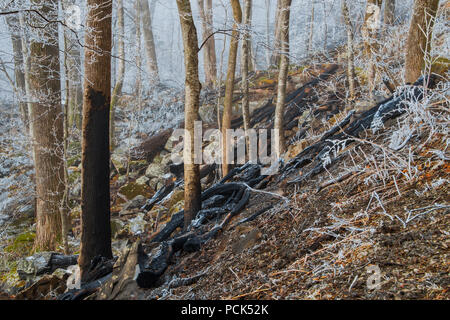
pixel 72 57
pixel 150 50
pixel 19 75
pixel 245 59
pixel 138 57
pixel 282 78
pixel 229 86
pixel 419 38
pixel 268 56
pixel 325 22
pixel 26 72
pixel 350 51
pixel 275 58
pixel 95 196
pixel 311 30
pixel 117 91
pixel 372 20
pixel 192 186
pixel 47 117
pixel 389 12
pixel 209 51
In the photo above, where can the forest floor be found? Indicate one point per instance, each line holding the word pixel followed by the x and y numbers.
pixel 381 230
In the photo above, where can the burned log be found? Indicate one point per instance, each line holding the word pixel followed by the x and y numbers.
pixel 372 119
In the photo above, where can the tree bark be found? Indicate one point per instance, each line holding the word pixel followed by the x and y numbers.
pixel 389 12
pixel 419 38
pixel 370 29
pixel 72 57
pixel 19 75
pixel 311 29
pixel 282 77
pixel 350 50
pixel 275 58
pixel 192 186
pixel 150 50
pixel 95 196
pixel 209 51
pixel 229 86
pixel 47 130
pixel 245 59
pixel 117 91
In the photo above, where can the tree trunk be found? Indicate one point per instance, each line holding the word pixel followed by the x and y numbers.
pixel 47 130
pixel 372 20
pixel 117 91
pixel 209 51
pixel 19 75
pixel 389 12
pixel 420 33
pixel 150 50
pixel 245 59
pixel 282 77
pixel 277 40
pixel 72 57
pixel 311 30
pixel 350 51
pixel 192 186
pixel 268 56
pixel 229 86
pixel 95 196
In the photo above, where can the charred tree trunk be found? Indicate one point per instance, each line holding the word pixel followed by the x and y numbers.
pixel 282 77
pixel 192 186
pixel 95 196
pixel 150 50
pixel 229 86
pixel 209 52
pixel 117 91
pixel 419 38
pixel 47 129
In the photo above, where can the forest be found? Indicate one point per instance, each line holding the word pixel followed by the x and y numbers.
pixel 224 150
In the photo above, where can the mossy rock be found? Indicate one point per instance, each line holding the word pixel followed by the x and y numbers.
pixel 176 197
pixel 74 161
pixel 74 176
pixel 440 66
pixel 133 189
pixel 177 207
pixel 22 244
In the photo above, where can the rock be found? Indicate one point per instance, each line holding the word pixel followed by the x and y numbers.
pixel 156 170
pixel 119 161
pixel 132 189
pixel 142 180
pixel 34 265
pixel 121 180
pixel 116 226
pixel 45 288
pixel 137 224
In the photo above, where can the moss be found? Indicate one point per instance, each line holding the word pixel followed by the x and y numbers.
pixel 133 189
pixel 72 160
pixel 22 244
pixel 440 65
pixel 74 176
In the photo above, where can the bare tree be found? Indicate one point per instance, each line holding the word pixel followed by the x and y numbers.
pixel 372 20
pixel 245 60
pixel 209 51
pixel 419 38
pixel 350 51
pixel 274 59
pixel 192 186
pixel 19 76
pixel 117 91
pixel 311 29
pixel 389 12
pixel 150 50
pixel 95 196
pixel 282 77
pixel 47 130
pixel 229 86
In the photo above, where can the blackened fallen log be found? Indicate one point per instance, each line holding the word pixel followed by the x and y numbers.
pixel 175 222
pixel 158 196
pixel 372 119
pixel 253 216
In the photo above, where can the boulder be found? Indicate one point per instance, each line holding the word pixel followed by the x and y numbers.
pixel 155 170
